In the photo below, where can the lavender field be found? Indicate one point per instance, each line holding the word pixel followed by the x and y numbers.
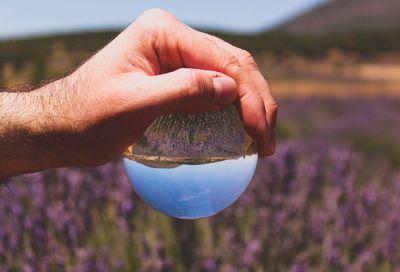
pixel 329 200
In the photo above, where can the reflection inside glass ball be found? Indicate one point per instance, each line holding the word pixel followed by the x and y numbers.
pixel 192 165
pixel 191 191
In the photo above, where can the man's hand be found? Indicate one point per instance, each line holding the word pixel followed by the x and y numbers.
pixel 156 66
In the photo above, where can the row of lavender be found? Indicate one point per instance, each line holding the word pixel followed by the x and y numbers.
pixel 330 198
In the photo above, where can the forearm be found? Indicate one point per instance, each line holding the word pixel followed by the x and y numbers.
pixel 29 139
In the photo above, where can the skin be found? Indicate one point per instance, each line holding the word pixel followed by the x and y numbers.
pixel 156 66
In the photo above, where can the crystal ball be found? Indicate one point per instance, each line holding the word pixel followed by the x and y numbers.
pixel 192 165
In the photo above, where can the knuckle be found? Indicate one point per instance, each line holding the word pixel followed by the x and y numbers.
pixel 247 59
pixel 157 13
pixel 231 63
pixel 191 81
pixel 273 107
pixel 198 87
pixel 156 18
pixel 191 85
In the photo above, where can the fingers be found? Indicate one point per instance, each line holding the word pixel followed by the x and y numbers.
pixel 253 114
pixel 272 114
pixel 252 83
pixel 186 90
pixel 253 91
pixel 178 46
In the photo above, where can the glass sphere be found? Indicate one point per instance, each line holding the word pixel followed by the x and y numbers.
pixel 192 165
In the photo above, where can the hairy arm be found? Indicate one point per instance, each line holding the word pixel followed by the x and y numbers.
pixel 32 131
pixel 156 66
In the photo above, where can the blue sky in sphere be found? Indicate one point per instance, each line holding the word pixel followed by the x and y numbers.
pixel 27 17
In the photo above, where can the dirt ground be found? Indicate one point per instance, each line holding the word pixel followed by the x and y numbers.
pixel 337 74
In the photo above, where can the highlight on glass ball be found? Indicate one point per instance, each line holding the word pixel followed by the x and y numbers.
pixel 192 165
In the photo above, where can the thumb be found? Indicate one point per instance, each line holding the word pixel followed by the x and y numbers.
pixel 189 90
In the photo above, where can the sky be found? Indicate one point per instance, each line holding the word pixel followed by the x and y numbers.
pixel 27 17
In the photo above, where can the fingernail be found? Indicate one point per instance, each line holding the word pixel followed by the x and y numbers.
pixel 225 90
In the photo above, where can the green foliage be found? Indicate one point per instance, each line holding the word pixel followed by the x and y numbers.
pixel 366 43
pixel 37 51
pixel 32 49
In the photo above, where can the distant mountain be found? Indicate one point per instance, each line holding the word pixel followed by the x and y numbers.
pixel 346 15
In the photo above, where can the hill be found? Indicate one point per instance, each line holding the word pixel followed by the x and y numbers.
pixel 346 15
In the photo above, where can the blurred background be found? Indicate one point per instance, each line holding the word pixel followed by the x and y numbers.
pixel 329 200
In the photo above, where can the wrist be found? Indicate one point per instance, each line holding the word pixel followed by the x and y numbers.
pixel 56 125
pixel 32 130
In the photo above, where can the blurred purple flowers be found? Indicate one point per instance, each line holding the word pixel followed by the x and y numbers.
pixel 330 198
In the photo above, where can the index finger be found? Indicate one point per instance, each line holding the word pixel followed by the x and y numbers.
pixel 257 86
pixel 256 105
pixel 179 46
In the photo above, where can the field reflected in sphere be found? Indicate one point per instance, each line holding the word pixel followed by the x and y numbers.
pixel 192 191
pixel 192 165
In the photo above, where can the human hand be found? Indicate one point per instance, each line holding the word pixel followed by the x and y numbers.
pixel 157 66
pixel 154 67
